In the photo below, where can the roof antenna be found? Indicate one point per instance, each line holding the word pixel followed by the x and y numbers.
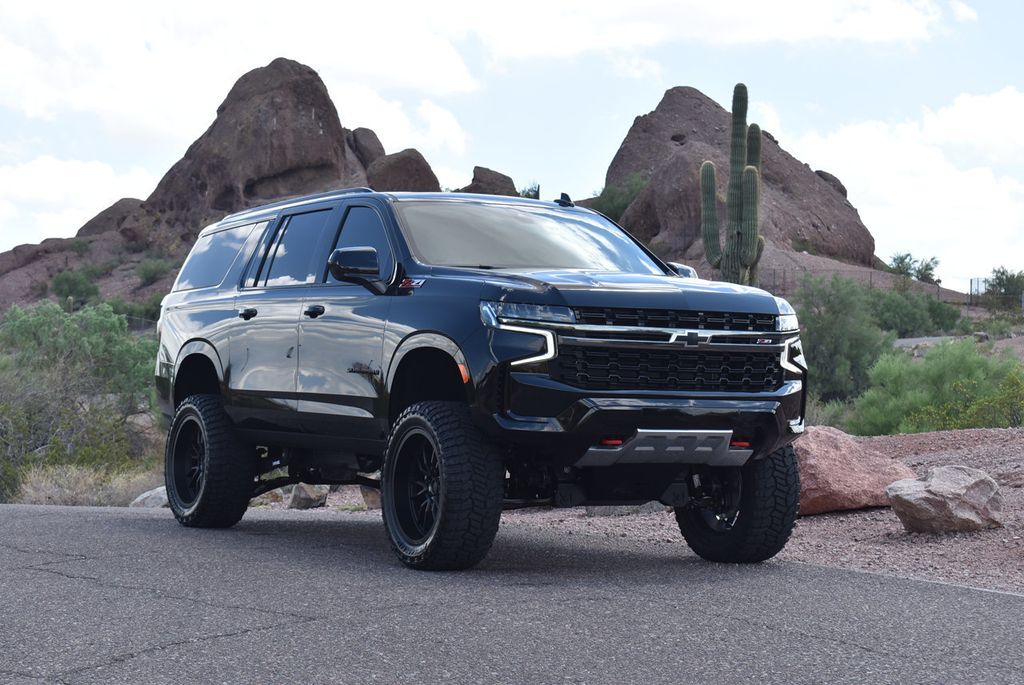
pixel 565 201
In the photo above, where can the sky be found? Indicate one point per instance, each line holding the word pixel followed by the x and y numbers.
pixel 916 105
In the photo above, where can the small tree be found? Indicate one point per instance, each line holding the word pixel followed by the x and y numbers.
pixel 903 264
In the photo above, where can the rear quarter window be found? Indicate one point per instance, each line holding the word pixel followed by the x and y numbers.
pixel 211 257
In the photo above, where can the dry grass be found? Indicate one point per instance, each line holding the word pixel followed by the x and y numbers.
pixel 73 485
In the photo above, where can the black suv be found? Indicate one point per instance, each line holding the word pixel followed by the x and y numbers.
pixel 479 353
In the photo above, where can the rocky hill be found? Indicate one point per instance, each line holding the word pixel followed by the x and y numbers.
pixel 277 134
pixel 801 210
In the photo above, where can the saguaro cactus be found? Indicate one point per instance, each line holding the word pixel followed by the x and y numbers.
pixel 737 261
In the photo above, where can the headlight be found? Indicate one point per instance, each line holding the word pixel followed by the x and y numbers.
pixel 786 320
pixel 491 312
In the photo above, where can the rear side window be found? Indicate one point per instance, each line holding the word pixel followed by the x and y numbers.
pixel 291 258
pixel 211 257
pixel 363 228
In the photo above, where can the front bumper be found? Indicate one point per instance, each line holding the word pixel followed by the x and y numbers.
pixel 540 411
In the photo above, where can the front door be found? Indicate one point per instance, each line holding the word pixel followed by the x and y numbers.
pixel 341 342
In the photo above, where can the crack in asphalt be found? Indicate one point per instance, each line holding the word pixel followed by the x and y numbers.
pixel 158 593
pixel 63 676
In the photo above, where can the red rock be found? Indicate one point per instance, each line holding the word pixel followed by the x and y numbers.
pixel 405 170
pixel 837 472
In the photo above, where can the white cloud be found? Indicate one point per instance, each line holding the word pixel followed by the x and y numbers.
pixel 985 124
pixel 431 128
pixel 636 67
pixel 914 196
pixel 962 11
pixel 48 197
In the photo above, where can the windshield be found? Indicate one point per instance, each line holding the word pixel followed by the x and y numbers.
pixel 514 236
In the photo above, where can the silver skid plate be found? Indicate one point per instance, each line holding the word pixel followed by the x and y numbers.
pixel 669 447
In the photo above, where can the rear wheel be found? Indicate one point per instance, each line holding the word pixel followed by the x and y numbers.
pixel 208 472
pixel 442 488
pixel 746 514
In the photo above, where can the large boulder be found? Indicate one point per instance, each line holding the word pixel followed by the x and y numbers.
pixel 367 145
pixel 949 499
pixel 405 170
pixel 305 496
pixel 837 472
pixel 489 182
pixel 666 148
pixel 152 499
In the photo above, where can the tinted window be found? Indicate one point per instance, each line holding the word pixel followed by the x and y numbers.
pixel 519 236
pixel 363 228
pixel 210 258
pixel 291 259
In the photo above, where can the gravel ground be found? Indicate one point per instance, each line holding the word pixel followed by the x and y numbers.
pixel 869 540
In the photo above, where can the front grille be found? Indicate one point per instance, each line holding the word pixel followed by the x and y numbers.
pixel 672 318
pixel 610 368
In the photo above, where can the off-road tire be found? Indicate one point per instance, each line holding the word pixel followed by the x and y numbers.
pixel 228 467
pixel 769 504
pixel 471 488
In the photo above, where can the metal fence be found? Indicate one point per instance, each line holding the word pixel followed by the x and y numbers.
pixel 787 282
pixel 982 294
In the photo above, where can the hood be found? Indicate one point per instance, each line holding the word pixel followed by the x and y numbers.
pixel 613 289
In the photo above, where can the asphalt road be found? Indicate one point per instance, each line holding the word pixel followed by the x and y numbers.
pixel 127 596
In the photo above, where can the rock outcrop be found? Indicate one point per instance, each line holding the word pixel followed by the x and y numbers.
pixel 489 182
pixel 405 170
pixel 837 472
pixel 949 499
pixel 306 496
pixel 276 135
pixel 111 218
pixel 667 147
pixel 151 499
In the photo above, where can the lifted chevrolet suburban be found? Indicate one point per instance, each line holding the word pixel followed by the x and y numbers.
pixel 478 353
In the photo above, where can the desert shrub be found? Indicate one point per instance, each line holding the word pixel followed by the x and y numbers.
pixel 840 338
pixel 942 390
pixel 826 413
pixel 909 314
pixel 147 309
pixel 80 247
pixel 531 191
pixel 612 201
pixel 75 285
pixel 75 485
pixel 1005 289
pixel 67 383
pixel 152 269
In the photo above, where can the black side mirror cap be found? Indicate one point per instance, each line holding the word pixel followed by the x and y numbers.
pixel 683 270
pixel 356 265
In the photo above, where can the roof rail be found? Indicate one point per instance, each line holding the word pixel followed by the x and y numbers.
pixel 300 200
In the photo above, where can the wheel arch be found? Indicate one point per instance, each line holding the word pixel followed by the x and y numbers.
pixel 198 369
pixel 427 366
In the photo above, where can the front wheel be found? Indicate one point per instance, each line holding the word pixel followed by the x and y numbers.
pixel 208 472
pixel 748 513
pixel 442 488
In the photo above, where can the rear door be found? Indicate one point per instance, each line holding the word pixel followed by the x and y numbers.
pixel 341 337
pixel 264 340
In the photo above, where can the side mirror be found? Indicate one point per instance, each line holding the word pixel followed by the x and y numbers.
pixel 683 270
pixel 356 265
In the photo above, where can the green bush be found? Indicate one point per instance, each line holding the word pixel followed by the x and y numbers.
pixel 826 413
pixel 147 309
pixel 76 285
pixel 909 314
pixel 151 270
pixel 67 383
pixel 531 191
pixel 612 201
pixel 840 337
pixel 955 386
pixel 80 247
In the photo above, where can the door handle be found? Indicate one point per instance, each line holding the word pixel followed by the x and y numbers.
pixel 247 313
pixel 314 310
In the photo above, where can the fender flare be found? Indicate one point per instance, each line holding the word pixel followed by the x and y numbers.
pixel 416 341
pixel 202 348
